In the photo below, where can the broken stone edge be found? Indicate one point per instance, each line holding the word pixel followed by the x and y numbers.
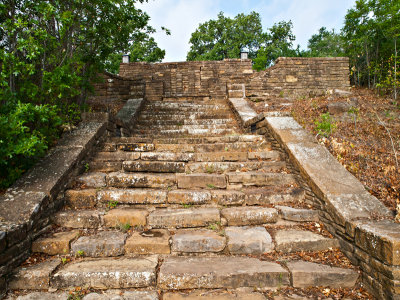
pixel 26 207
pixel 364 226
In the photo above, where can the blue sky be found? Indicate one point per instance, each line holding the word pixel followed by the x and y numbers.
pixel 182 17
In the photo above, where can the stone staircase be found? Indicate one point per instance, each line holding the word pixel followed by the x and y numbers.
pixel 188 207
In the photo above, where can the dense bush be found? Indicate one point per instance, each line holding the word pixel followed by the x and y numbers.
pixel 26 131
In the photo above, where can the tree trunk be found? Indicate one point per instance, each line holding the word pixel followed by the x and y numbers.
pixel 395 68
pixel 369 74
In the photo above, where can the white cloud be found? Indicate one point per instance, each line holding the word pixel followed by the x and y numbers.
pixel 182 17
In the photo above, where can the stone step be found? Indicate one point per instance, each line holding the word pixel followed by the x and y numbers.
pixel 299 240
pixel 102 244
pixel 154 166
pixel 57 243
pixel 236 94
pixel 248 240
pixel 183 218
pixel 214 295
pixel 103 273
pixel 181 127
pixel 249 215
pixel 308 274
pixel 181 273
pixel 254 178
pixel 201 180
pixel 184 116
pixel 222 167
pixel 140 180
pixel 133 196
pixel 198 241
pixel 180 132
pixel 226 121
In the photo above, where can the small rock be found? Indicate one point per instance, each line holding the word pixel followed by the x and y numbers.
pixel 248 240
pixel 105 243
pixel 197 241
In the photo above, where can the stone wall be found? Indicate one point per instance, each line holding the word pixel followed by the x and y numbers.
pixel 300 76
pixel 289 77
pixel 188 79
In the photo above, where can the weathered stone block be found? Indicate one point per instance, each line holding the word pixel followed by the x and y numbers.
pixel 248 215
pixel 104 243
pixel 92 180
pixel 81 199
pixel 36 277
pixel 308 274
pixel 107 273
pixel 214 295
pixel 178 273
pixel 248 240
pixel 148 242
pixel 298 240
pixel 128 295
pixel 58 243
pixel 261 179
pixel 133 196
pixel 140 180
pixel 123 216
pixel 77 219
pixel 298 215
pixel 191 181
pixel 180 218
pixel 198 241
pixel 189 197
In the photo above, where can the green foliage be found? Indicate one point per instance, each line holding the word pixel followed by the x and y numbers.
pixel 26 131
pixel 326 44
pixel 325 125
pixel 112 204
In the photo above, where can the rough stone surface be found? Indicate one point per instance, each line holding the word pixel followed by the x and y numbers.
pixel 58 243
pixel 77 219
pixel 105 243
pixel 299 240
pixel 189 197
pixel 108 273
pixel 154 166
pixel 192 181
pixel 124 216
pixel 167 156
pixel 93 180
pixel 140 180
pixel 298 215
pixel 214 295
pixel 133 196
pixel 308 274
pixel 238 216
pixel 128 295
pixel 261 179
pixel 178 273
pixel 264 155
pixel 178 218
pixel 221 156
pixel 44 296
pixel 228 197
pixel 36 277
pixel 154 241
pixel 248 240
pixel 81 199
pixel 198 241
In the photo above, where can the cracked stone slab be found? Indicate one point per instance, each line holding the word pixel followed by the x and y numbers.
pixel 105 243
pixel 178 273
pixel 297 214
pixel 140 180
pixel 308 274
pixel 248 240
pixel 180 218
pixel 108 273
pixel 198 241
pixel 299 240
pixel 249 215
pixel 36 277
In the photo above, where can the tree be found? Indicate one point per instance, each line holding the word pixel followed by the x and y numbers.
pixel 225 37
pixel 326 43
pixel 278 42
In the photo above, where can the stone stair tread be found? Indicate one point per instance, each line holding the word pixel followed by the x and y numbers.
pixel 154 166
pixel 102 244
pixel 214 295
pixel 133 196
pixel 123 295
pixel 249 215
pixel 107 273
pixel 179 273
pixel 254 178
pixel 309 274
pixel 197 241
pixel 140 180
pixel 300 240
